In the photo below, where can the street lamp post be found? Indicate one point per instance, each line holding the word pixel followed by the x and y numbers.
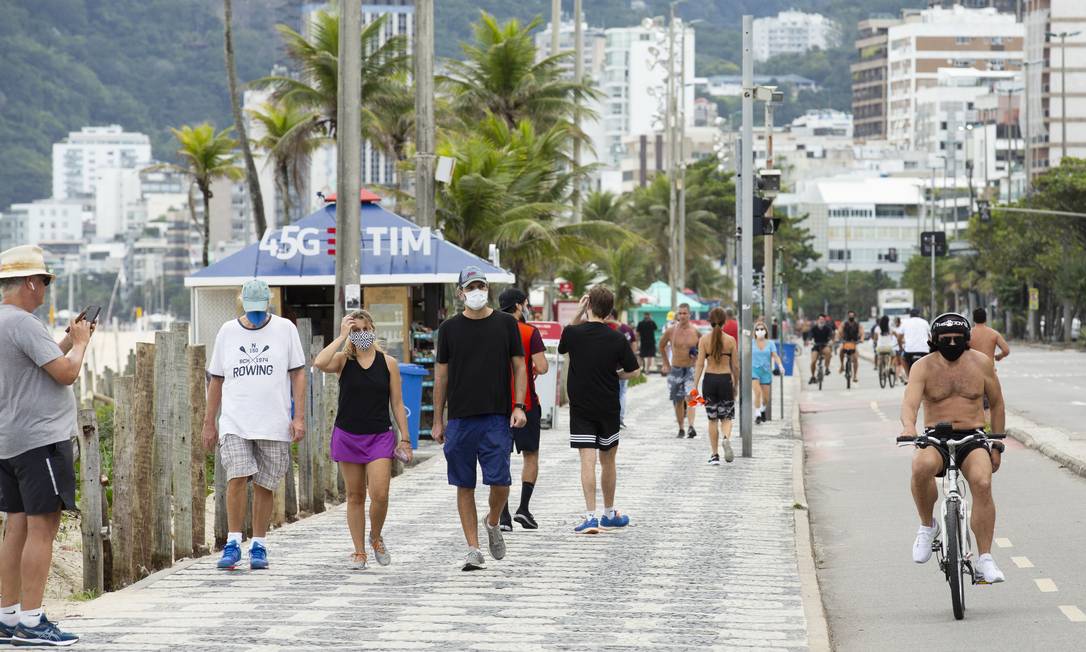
pixel 1063 87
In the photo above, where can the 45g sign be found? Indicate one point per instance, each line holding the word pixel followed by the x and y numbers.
pixel 290 241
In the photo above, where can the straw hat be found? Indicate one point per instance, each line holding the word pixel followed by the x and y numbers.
pixel 20 262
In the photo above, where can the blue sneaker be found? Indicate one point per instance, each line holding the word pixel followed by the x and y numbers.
pixel 590 526
pixel 258 557
pixel 619 521
pixel 6 633
pixel 231 555
pixel 46 633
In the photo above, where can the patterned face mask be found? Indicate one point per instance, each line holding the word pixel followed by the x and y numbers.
pixel 362 340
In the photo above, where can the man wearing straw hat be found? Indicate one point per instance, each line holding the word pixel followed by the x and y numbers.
pixel 37 471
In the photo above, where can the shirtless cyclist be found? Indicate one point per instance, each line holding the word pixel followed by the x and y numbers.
pixel 951 385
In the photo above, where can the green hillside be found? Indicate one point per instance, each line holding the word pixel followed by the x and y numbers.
pixel 153 64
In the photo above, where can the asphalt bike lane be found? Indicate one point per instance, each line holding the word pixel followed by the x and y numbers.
pixel 864 523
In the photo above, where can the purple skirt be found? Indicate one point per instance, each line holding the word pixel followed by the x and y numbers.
pixel 362 449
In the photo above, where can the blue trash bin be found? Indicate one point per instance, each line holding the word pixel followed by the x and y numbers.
pixel 411 376
pixel 788 357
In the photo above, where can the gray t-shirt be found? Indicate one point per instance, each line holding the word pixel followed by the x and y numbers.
pixel 35 410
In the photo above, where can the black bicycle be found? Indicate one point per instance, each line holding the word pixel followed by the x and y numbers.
pixel 956 557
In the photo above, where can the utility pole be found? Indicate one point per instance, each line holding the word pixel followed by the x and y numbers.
pixel 746 424
pixel 669 136
pixel 556 25
pixel 931 243
pixel 578 77
pixel 348 152
pixel 768 253
pixel 424 112
pixel 682 158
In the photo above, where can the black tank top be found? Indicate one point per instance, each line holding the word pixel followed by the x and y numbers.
pixel 363 398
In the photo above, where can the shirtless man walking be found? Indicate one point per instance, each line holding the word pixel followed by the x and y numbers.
pixel 951 386
pixel 986 339
pixel 682 338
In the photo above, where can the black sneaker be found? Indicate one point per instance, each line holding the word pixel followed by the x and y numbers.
pixel 812 381
pixel 505 522
pixel 691 433
pixel 682 433
pixel 714 460
pixel 526 520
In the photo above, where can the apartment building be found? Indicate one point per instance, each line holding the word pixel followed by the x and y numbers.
pixel 78 158
pixel 1060 58
pixel 792 32
pixel 869 79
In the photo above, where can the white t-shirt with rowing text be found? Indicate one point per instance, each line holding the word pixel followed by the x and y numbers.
pixel 916 331
pixel 255 366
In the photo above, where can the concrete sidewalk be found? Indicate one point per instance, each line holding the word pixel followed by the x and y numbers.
pixel 709 561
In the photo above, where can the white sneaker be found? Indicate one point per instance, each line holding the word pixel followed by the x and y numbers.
pixel 987 571
pixel 922 545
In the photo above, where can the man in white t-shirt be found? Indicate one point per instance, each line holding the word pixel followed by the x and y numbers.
pixel 916 333
pixel 258 377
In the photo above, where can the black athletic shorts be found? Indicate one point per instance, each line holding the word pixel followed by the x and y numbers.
pixel 39 481
pixel 593 431
pixel 719 396
pixel 911 357
pixel 961 452
pixel 526 439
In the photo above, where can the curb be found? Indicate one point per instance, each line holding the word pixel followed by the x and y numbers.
pixel 818 638
pixel 1068 461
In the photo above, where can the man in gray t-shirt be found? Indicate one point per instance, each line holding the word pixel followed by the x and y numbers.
pixel 37 421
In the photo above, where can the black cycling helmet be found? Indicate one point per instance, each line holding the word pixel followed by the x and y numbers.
pixel 949 322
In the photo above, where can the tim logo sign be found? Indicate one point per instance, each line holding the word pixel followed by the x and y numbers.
pixel 291 241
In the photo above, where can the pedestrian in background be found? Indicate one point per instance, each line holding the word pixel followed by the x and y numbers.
pixel 646 335
pixel 623 384
pixel 257 369
pixel 37 422
pixel 764 359
pixel 525 439
pixel 479 358
pixel 363 443
pixel 598 358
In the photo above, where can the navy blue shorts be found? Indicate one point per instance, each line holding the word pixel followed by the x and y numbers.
pixel 484 440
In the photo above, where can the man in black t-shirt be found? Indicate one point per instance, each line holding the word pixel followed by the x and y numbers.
pixel 480 358
pixel 822 334
pixel 646 334
pixel 598 358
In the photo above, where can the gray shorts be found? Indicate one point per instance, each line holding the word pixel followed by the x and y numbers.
pixel 679 383
pixel 265 460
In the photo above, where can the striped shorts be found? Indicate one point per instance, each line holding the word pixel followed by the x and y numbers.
pixel 593 431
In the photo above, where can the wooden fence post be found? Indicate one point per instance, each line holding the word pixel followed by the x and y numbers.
pixel 197 359
pixel 143 459
pixel 328 421
pixel 90 481
pixel 181 437
pixel 305 458
pixel 220 502
pixel 314 426
pixel 167 360
pixel 125 490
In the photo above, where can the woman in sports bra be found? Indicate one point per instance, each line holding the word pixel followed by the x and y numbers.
pixel 718 360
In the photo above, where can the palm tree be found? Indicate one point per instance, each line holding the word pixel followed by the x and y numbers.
pixel 502 77
pixel 624 269
pixel 317 62
pixel 649 219
pixel 604 205
pixel 289 141
pixel 255 197
pixel 208 156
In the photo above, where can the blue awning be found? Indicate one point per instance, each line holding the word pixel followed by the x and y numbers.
pixel 395 251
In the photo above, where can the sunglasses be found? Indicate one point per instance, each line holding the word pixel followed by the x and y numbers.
pixel 45 280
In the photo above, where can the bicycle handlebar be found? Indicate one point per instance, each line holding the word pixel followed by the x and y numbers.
pixel 909 439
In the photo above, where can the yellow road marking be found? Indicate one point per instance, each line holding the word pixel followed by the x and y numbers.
pixel 1004 543
pixel 1073 613
pixel 1022 562
pixel 1046 585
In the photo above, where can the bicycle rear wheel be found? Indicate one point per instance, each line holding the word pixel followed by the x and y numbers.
pixel 892 376
pixel 882 372
pixel 820 375
pixel 954 560
pixel 848 373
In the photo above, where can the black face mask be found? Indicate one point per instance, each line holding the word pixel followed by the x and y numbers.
pixel 951 349
pixel 852 319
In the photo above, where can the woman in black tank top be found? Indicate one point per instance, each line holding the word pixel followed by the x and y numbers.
pixel 363 442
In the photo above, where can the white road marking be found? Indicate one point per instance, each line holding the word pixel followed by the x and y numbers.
pixel 1022 562
pixel 875 405
pixel 1045 585
pixel 1004 542
pixel 1073 613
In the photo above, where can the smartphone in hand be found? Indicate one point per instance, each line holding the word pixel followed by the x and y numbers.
pixel 90 313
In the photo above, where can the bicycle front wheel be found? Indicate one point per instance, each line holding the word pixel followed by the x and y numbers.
pixel 882 372
pixel 954 563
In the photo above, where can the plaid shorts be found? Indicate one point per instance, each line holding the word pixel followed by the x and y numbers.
pixel 265 460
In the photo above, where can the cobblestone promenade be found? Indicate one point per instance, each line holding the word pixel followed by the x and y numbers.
pixel 708 561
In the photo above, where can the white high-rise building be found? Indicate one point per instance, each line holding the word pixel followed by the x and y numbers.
pixel 44 220
pixel 930 41
pixel 117 197
pixel 78 158
pixel 1046 81
pixel 792 32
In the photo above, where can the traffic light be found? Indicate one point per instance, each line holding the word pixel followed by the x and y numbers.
pixel 984 210
pixel 891 255
pixel 767 183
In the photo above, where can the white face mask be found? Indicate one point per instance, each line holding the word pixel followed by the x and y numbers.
pixel 362 340
pixel 759 333
pixel 475 299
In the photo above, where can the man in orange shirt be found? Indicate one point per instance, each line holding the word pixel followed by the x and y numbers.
pixel 526 439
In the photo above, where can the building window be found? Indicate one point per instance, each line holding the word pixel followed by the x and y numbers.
pixel 997 40
pixel 997 64
pixel 402 27
pixel 963 40
pixel 962 63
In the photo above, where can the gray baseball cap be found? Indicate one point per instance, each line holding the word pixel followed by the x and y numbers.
pixel 470 274
pixel 255 296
